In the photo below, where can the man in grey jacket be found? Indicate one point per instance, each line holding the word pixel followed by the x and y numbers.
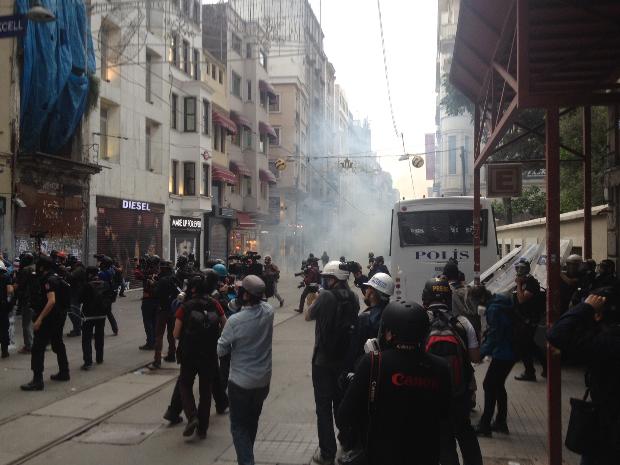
pixel 247 337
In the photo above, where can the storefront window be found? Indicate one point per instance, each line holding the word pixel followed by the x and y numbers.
pixel 189 178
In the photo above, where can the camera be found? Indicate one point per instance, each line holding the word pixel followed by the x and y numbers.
pixel 351 267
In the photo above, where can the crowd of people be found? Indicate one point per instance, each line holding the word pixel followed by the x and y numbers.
pixel 373 371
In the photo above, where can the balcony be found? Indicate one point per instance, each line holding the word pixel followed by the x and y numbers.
pixel 193 203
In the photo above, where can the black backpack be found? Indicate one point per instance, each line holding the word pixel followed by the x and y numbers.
pixel 200 328
pixel 340 327
pixel 100 298
pixel 62 289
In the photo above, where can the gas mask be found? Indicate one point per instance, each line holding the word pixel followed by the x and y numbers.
pixel 522 270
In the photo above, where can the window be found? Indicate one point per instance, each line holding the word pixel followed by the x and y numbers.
pixel 263 99
pixel 148 71
pixel 452 155
pixel 206 116
pixel 197 12
pixel 263 190
pixel 205 185
pixel 105 53
pixel 174 49
pixel 262 58
pixel 443 227
pixel 174 110
pixel 262 143
pixel 236 43
pixel 235 139
pixel 189 178
pixel 223 140
pixel 149 13
pixel 466 145
pixel 247 143
pixel 236 85
pixel 274 104
pixel 221 77
pixel 276 141
pixel 248 186
pixel 148 164
pixel 213 71
pixel 174 178
pixel 103 133
pixel 249 94
pixel 207 64
pixel 248 51
pixel 189 119
pixel 186 63
pixel 196 64
pixel 216 138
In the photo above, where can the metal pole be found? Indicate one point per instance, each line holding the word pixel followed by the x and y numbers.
pixel 587 182
pixel 554 391
pixel 476 213
pixel 463 166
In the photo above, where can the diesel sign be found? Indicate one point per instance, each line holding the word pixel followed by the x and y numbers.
pixel 133 205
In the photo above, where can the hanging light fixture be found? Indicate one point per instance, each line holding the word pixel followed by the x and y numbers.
pixel 39 14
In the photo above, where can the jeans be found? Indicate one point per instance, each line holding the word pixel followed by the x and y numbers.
pixel 149 319
pixel 27 325
pixel 88 328
pixel 4 330
pixel 246 406
pixel 189 370
pixel 327 397
pixel 495 391
pixel 164 322
pixel 111 319
pixel 530 351
pixel 458 429
pixel 50 332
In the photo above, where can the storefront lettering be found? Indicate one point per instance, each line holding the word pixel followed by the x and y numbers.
pixel 186 223
pixel 133 205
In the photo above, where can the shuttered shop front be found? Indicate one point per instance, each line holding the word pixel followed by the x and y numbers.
pixel 128 229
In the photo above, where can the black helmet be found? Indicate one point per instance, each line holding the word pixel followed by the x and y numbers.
pixel 182 261
pixel 407 321
pixel 44 263
pixel 153 260
pixel 26 259
pixel 437 290
pixel 106 262
pixel 92 271
pixel 71 260
pixel 211 280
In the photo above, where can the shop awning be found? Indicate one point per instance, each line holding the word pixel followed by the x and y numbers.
pixel 240 120
pixel 225 122
pixel 264 86
pixel 267 176
pixel 221 174
pixel 245 221
pixel 240 169
pixel 265 128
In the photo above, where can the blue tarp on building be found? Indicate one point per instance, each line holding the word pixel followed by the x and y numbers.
pixel 54 85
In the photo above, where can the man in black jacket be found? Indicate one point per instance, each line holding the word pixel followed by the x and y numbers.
pixel 94 297
pixel 166 290
pixel 412 395
pixel 592 330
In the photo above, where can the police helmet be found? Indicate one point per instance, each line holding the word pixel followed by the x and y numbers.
pixel 153 260
pixel 522 266
pixel 407 321
pixel 211 279
pixel 45 263
pixel 382 283
pixel 574 259
pixel 221 270
pixel 182 261
pixel 437 290
pixel 106 262
pixel 26 259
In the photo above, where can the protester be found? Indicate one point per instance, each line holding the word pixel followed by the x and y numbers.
pixel 6 305
pixel 166 290
pixel 378 266
pixel 94 296
pixel 271 276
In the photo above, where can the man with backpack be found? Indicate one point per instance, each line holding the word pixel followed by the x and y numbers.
pixel 197 327
pixel 50 315
pixel 335 312
pixel 462 304
pixel 399 395
pixel 76 276
pixel 454 339
pixel 530 306
pixel 248 337
pixel 26 289
pixel 499 345
pixel 107 273
pixel 166 290
pixel 94 298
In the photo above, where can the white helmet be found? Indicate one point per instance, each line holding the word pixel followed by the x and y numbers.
pixel 2 266
pixel 333 269
pixel 383 283
pixel 574 258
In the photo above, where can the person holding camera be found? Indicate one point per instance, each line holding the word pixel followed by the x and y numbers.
pixel 147 272
pixel 271 276
pixel 399 395
pixel 312 275
pixel 378 266
pixel 591 330
pixel 335 312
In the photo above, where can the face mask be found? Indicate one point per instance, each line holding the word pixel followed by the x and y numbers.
pixel 324 283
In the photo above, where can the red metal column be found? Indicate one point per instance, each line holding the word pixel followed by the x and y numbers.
pixel 477 126
pixel 554 389
pixel 587 182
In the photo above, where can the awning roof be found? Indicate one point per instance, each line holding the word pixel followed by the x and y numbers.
pixel 245 221
pixel 264 86
pixel 240 168
pixel 240 120
pixel 221 174
pixel 267 176
pixel 265 128
pixel 225 122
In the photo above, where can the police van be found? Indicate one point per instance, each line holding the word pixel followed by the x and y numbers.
pixel 426 233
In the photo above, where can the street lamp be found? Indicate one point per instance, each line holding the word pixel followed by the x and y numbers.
pixel 39 14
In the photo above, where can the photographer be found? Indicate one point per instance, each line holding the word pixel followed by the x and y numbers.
pixel 311 275
pixel 591 330
pixel 378 266
pixel 106 274
pixel 271 276
pixel 76 276
pixel 401 415
pixel 147 271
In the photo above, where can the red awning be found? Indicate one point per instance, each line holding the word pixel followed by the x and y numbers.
pixel 240 120
pixel 265 128
pixel 264 86
pixel 221 174
pixel 267 176
pixel 225 122
pixel 240 168
pixel 245 221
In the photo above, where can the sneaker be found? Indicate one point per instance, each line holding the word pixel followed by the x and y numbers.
pixel 350 456
pixel 298 310
pixel 483 430
pixel 5 354
pixel 172 417
pixel 86 366
pixel 191 427
pixel 32 386
pixel 115 333
pixel 122 295
pixel 73 333
pixel 221 409
pixel 60 377
pixel 202 435
pixel 526 377
pixel 500 427
pixel 99 361
pixel 24 350
pixel 147 347
pixel 154 366
pixel 170 358
pixel 282 303
pixel 318 458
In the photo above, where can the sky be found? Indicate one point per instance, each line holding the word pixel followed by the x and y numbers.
pixel 353 45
